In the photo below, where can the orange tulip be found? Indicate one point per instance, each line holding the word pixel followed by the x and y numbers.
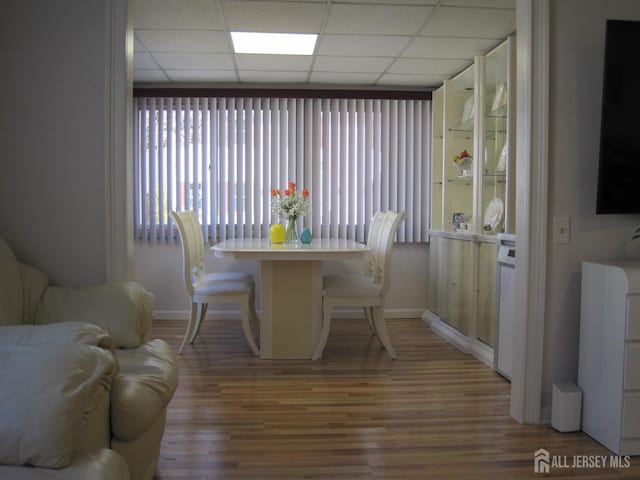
pixel 292 186
pixel 287 192
pixel 275 192
pixel 305 192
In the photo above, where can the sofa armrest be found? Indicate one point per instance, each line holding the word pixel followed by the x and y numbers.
pixel 48 391
pixel 124 309
pixel 143 387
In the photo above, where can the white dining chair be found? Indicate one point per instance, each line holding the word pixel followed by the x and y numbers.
pixel 364 291
pixel 373 238
pixel 209 288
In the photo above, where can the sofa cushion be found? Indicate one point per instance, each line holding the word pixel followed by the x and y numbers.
pixel 124 309
pixel 65 332
pixel 10 287
pixel 143 388
pixel 47 392
pixel 34 283
pixel 104 464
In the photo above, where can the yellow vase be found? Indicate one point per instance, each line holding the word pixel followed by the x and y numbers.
pixel 277 233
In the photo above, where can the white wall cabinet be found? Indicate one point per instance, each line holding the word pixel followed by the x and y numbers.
pixel 472 200
pixel 608 372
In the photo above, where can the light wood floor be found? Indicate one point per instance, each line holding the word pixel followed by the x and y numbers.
pixel 434 413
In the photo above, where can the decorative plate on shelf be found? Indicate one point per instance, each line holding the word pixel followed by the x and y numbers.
pixel 469 109
pixel 502 159
pixel 500 97
pixel 493 215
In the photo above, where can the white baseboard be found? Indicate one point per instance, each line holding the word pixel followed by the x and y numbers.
pixel 483 352
pixel 478 349
pixel 352 313
pixel 451 335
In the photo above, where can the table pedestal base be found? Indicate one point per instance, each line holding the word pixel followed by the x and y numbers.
pixel 291 308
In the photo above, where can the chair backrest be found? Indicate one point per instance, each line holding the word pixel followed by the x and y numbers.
pixel 192 247
pixel 388 229
pixel 373 239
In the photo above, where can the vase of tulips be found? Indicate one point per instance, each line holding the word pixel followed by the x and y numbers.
pixel 290 204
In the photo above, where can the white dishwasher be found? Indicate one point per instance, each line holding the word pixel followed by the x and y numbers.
pixel 503 361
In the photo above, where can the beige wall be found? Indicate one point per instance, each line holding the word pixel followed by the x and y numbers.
pixel 52 133
pixel 576 51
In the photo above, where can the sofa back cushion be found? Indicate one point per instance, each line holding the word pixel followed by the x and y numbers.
pixel 47 393
pixel 10 286
pixel 123 309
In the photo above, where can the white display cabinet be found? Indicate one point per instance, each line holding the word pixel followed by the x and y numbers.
pixel 473 197
pixel 473 114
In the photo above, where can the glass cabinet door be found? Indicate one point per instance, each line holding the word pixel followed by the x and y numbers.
pixel 437 102
pixel 497 201
pixel 459 156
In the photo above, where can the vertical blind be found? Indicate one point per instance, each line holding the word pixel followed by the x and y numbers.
pixel 221 157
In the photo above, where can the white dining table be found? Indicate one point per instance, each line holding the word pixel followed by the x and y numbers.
pixel 290 289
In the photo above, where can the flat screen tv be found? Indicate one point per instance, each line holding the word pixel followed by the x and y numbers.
pixel 619 163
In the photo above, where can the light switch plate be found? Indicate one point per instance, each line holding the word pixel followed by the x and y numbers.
pixel 561 230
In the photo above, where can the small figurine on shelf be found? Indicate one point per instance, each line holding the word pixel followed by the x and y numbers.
pixel 464 163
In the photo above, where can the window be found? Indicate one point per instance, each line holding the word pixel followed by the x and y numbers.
pixel 222 156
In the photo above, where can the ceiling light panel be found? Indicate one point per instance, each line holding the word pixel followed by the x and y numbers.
pixel 274 43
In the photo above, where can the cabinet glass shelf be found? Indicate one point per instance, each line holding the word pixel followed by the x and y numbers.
pixel 463 130
pixel 468 180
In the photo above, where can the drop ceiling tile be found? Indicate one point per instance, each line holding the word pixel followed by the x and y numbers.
pixel 269 16
pixel 176 14
pixel 343 78
pixel 471 22
pixel 366 45
pixel 202 75
pixel 138 46
pixel 149 76
pixel 449 47
pixel 426 80
pixel 376 19
pixel 194 61
pixel 214 41
pixel 352 64
pixel 393 2
pixel 482 3
pixel 282 63
pixel 260 76
pixel 431 66
pixel 144 61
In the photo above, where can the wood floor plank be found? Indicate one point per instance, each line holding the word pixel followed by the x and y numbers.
pixel 434 413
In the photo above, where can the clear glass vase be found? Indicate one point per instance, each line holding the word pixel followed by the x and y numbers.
pixel 291 236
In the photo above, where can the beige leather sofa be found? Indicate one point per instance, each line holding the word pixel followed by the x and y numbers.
pixel 137 387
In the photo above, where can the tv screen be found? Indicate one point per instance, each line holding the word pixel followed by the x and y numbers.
pixel 619 163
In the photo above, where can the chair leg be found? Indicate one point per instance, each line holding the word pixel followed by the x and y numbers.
pixel 253 317
pixel 245 313
pixel 381 330
pixel 369 316
pixel 190 325
pixel 324 333
pixel 202 311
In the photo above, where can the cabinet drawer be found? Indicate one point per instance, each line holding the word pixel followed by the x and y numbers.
pixel 632 366
pixel 633 317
